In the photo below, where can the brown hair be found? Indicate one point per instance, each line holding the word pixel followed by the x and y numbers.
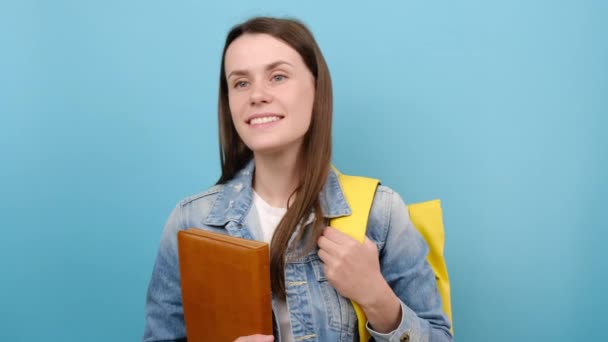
pixel 314 159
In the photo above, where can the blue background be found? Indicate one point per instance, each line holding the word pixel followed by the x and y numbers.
pixel 108 118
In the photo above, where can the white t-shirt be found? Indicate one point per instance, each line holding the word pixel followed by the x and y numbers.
pixel 269 220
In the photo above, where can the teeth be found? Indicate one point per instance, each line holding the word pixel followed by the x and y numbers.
pixel 258 121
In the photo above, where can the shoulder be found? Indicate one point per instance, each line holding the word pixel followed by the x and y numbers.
pixel 386 205
pixel 193 210
pixel 383 202
pixel 385 199
pixel 202 197
pixel 384 190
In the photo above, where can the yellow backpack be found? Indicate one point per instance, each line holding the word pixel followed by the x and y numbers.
pixel 426 217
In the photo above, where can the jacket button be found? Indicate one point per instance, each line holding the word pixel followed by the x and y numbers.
pixel 405 337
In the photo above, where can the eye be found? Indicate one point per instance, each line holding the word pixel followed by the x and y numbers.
pixel 241 84
pixel 279 78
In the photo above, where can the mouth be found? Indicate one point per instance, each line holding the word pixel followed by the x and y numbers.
pixel 263 119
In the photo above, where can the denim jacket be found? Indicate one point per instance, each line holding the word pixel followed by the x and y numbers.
pixel 316 310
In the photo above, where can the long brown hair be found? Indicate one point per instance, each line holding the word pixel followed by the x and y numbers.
pixel 314 159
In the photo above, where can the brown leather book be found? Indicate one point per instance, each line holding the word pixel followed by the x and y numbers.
pixel 225 286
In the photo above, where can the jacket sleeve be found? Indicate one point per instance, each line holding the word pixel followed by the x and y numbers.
pixel 404 266
pixel 164 312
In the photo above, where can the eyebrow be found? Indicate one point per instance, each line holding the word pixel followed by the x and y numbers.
pixel 267 67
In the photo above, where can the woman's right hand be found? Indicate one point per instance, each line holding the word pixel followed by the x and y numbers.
pixel 255 338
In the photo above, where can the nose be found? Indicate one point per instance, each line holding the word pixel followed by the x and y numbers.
pixel 259 94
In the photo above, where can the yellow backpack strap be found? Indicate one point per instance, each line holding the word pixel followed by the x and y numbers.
pixel 359 193
pixel 427 218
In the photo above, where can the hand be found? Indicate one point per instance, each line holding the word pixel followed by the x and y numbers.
pixel 352 268
pixel 255 338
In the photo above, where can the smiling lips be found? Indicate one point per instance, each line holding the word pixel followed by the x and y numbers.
pixel 258 120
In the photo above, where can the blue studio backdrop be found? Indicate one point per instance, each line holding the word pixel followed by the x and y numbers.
pixel 499 108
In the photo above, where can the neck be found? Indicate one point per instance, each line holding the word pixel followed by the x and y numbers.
pixel 276 177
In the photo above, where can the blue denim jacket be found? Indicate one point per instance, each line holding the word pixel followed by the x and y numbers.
pixel 316 310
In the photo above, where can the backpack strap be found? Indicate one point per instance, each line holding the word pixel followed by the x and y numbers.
pixel 359 193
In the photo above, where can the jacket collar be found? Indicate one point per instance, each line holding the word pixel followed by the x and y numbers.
pixel 235 198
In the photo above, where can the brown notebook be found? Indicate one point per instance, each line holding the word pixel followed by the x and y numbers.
pixel 225 286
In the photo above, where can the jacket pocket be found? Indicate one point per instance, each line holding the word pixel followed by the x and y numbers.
pixel 340 311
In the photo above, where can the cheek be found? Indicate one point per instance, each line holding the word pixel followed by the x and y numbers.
pixel 305 102
pixel 235 103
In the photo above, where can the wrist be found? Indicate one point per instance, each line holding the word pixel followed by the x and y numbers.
pixel 380 297
pixel 383 310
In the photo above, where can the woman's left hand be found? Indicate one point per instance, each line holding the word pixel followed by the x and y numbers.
pixel 352 268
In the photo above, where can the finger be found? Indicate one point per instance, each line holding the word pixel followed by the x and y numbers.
pixel 328 245
pixel 337 236
pixel 370 244
pixel 325 257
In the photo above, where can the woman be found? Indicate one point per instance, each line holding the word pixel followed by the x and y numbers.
pixel 275 117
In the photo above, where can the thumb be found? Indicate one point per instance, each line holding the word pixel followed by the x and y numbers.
pixel 369 243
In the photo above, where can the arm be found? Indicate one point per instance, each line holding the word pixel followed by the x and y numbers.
pixel 397 290
pixel 164 312
pixel 405 269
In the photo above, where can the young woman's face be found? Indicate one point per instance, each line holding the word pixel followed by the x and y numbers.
pixel 270 93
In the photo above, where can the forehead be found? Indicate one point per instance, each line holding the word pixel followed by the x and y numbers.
pixel 251 51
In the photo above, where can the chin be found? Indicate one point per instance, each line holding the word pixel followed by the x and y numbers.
pixel 271 148
pixel 266 149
